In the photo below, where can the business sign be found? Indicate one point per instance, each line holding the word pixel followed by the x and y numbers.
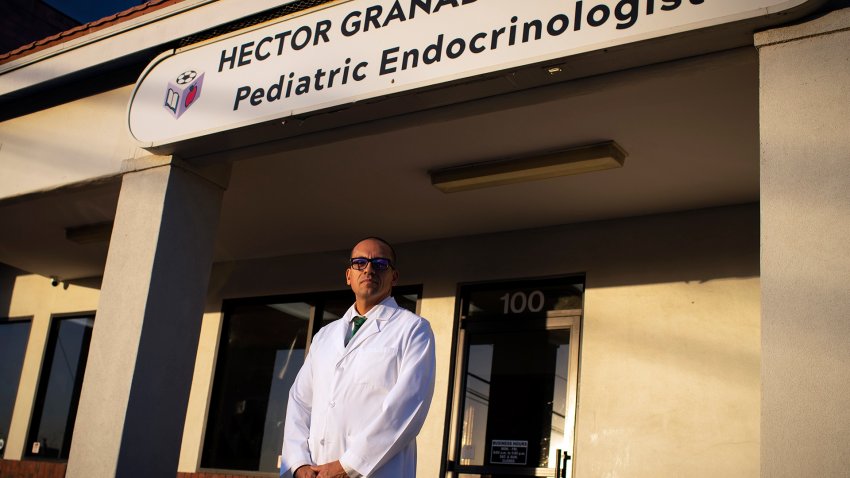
pixel 348 51
pixel 509 452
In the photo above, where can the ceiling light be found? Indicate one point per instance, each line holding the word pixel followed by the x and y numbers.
pixel 583 159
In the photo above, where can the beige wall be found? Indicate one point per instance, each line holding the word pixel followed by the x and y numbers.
pixel 669 374
pixel 669 378
pixel 33 296
pixel 805 197
pixel 78 141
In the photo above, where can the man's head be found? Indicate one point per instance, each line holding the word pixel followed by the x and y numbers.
pixel 371 278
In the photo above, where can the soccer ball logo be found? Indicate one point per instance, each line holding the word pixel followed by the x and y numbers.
pixel 183 92
pixel 186 77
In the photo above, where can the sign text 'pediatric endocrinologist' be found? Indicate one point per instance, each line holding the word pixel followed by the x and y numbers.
pixel 578 14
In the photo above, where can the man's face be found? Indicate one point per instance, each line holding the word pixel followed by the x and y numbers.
pixel 370 285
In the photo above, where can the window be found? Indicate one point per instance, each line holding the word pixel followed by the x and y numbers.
pixel 263 344
pixel 515 409
pixel 59 388
pixel 13 343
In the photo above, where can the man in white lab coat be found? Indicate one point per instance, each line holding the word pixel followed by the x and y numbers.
pixel 365 387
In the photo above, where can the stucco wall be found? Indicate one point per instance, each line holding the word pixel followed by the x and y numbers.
pixel 805 198
pixel 669 367
pixel 77 141
pixel 669 378
pixel 32 296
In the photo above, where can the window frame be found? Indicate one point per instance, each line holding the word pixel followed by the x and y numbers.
pixel 43 383
pixel 6 321
pixel 219 371
pixel 571 319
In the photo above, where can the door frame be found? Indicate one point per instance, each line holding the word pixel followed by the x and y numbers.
pixel 556 319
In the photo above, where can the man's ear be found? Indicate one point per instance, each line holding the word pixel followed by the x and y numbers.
pixel 348 276
pixel 395 277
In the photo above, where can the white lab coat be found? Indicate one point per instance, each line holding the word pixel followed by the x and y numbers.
pixel 364 403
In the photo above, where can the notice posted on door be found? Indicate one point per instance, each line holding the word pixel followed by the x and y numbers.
pixel 509 452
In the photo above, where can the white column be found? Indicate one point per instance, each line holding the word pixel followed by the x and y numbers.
pixel 805 263
pixel 139 371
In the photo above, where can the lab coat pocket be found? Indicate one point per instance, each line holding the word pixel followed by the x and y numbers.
pixel 376 367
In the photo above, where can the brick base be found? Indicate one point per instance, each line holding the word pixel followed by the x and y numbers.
pixel 47 469
pixel 31 469
pixel 211 475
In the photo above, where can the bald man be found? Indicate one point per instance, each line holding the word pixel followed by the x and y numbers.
pixel 364 390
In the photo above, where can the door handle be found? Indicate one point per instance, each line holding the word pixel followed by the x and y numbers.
pixel 561 457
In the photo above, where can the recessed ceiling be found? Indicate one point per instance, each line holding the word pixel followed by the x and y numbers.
pixel 690 128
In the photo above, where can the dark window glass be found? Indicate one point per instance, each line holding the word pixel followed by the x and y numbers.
pixel 334 306
pixel 515 396
pixel 523 298
pixel 263 345
pixel 13 344
pixel 262 349
pixel 514 417
pixel 59 388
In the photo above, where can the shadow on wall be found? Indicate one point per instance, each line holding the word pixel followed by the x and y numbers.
pixel 87 282
pixel 691 246
pixel 8 275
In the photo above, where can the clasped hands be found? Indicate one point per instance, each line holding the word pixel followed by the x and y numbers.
pixel 329 470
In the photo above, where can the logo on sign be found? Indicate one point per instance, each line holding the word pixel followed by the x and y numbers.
pixel 183 92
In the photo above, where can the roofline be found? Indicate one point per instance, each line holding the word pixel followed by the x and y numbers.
pixel 84 29
pixel 138 29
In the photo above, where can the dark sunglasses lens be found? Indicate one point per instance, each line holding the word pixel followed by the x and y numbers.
pixel 379 263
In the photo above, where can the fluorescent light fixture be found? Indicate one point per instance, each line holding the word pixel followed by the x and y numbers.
pixel 565 162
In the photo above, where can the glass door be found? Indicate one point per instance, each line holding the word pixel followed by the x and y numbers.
pixel 517 382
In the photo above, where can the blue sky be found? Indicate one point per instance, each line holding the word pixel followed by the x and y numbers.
pixel 85 11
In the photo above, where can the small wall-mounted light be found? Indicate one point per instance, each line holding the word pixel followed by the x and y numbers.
pixel 583 159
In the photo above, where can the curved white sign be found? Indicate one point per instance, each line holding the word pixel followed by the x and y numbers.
pixel 353 50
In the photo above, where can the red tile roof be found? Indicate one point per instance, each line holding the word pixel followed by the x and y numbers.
pixel 85 29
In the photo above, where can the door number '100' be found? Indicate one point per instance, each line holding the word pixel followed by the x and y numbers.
pixel 519 302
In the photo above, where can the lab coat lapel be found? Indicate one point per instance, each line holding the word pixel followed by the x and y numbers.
pixel 370 328
pixel 376 321
pixel 339 345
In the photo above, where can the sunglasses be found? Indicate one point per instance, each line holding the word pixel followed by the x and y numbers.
pixel 378 263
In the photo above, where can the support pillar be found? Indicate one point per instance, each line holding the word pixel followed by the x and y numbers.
pixel 805 262
pixel 145 337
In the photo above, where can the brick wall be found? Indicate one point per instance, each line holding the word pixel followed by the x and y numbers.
pixel 211 475
pixel 31 469
pixel 46 469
